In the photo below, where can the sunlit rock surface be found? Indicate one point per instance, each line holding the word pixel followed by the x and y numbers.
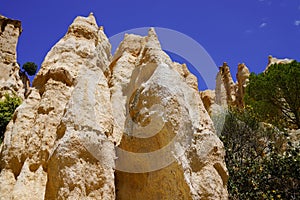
pixel 96 126
pixel 12 80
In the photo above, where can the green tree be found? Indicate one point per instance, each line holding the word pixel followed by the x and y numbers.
pixel 7 108
pixel 30 68
pixel 274 95
pixel 261 161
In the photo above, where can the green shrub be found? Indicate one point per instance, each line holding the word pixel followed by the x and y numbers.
pixel 262 163
pixel 7 108
pixel 30 68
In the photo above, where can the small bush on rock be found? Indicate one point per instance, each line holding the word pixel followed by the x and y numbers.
pixel 8 106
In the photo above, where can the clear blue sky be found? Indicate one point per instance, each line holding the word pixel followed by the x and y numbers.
pixel 234 31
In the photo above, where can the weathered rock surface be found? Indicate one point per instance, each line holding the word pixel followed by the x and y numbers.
pixel 227 81
pixel 12 81
pixel 242 78
pixel 209 98
pixel 146 83
pixel 225 87
pixel 46 151
pixel 131 126
pixel 227 93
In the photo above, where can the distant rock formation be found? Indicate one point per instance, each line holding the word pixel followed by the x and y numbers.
pixel 272 60
pixel 93 126
pixel 12 80
pixel 242 78
pixel 227 93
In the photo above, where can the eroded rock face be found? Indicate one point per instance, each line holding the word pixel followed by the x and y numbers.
pixel 154 101
pixel 131 126
pixel 208 98
pixel 228 84
pixel 227 93
pixel 12 81
pixel 46 152
pixel 242 77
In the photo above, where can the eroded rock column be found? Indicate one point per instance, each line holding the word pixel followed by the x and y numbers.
pixel 12 80
pixel 168 148
pixel 58 145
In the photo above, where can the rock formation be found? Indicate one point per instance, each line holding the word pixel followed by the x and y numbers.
pixel 143 85
pixel 12 81
pixel 228 84
pixel 209 98
pixel 227 93
pixel 272 60
pixel 93 126
pixel 242 78
pixel 45 154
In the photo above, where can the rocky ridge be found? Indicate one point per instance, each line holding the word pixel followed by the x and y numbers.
pixel 97 126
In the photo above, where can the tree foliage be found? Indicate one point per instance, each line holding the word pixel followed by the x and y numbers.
pixel 261 161
pixel 30 68
pixel 7 107
pixel 274 95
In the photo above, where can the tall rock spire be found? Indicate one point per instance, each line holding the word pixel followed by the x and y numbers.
pixel 49 148
pixel 12 80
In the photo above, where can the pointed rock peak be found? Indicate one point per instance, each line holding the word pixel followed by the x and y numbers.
pixel 131 44
pixel 224 68
pixel 270 58
pixel 152 39
pixel 152 33
pixel 92 19
pixel 84 27
pixel 243 72
pixel 242 66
